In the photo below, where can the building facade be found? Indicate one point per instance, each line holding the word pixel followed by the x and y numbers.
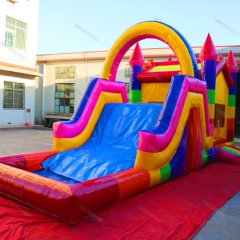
pixel 18 71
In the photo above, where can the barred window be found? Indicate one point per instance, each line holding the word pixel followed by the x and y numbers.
pixel 14 95
pixel 127 71
pixel 16 33
pixel 64 97
pixel 65 72
pixel 127 87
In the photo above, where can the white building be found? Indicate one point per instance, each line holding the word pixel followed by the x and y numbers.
pixel 18 45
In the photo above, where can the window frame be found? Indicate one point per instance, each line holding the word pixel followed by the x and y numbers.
pixel 64 93
pixel 65 72
pixel 16 31
pixel 127 71
pixel 15 91
pixel 127 84
pixel 219 119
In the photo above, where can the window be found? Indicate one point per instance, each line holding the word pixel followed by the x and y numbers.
pixel 13 96
pixel 64 72
pixel 219 115
pixel 16 33
pixel 127 87
pixel 127 71
pixel 64 98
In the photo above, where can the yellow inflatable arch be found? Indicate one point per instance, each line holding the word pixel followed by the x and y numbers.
pixel 155 30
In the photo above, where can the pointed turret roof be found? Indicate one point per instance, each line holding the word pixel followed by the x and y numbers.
pixel 208 51
pixel 169 58
pixel 136 57
pixel 231 62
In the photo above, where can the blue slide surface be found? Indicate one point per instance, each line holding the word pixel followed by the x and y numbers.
pixel 111 148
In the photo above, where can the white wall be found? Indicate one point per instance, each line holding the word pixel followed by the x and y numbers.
pixel 14 116
pixel 25 11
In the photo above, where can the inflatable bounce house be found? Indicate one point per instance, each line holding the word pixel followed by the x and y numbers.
pixel 179 117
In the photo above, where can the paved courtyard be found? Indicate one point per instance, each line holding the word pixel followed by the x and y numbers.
pixel 24 141
pixel 31 140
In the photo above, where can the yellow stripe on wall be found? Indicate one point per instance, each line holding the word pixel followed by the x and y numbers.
pixel 211 110
pixel 154 92
pixel 230 112
pixel 221 93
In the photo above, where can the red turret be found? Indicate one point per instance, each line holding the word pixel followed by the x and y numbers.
pixel 208 51
pixel 231 62
pixel 169 58
pixel 136 58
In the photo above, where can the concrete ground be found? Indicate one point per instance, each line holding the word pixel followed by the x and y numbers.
pixel 237 142
pixel 224 224
pixel 24 141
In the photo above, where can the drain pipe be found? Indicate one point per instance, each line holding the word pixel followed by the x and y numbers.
pixel 86 61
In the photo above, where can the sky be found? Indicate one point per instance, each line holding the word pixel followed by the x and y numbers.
pixel 92 25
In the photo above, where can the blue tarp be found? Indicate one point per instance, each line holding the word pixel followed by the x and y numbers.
pixel 111 148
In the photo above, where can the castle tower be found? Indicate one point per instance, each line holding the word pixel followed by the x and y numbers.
pixel 136 62
pixel 169 58
pixel 233 68
pixel 208 57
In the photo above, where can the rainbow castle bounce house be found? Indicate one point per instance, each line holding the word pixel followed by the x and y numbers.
pixel 179 117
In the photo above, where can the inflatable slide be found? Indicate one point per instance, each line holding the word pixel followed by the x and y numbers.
pixel 179 117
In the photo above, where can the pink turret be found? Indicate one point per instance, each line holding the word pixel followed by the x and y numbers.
pixel 208 51
pixel 231 62
pixel 136 58
pixel 169 58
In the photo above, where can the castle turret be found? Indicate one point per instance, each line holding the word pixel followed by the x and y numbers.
pixel 233 68
pixel 208 57
pixel 136 62
pixel 169 58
